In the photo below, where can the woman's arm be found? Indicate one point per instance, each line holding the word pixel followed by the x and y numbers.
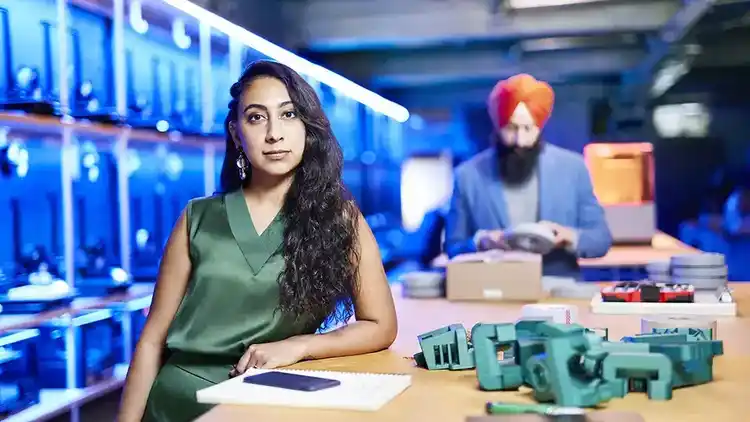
pixel 171 283
pixel 376 326
pixel 374 329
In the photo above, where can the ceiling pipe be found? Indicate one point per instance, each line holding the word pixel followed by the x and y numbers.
pixel 630 109
pixel 673 31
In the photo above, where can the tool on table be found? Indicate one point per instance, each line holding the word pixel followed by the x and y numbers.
pixel 501 408
pixel 600 416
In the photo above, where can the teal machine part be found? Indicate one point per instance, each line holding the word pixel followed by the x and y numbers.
pixel 494 373
pixel 653 369
pixel 692 334
pixel 445 348
pixel 570 365
pixel 691 359
pixel 528 343
pixel 568 372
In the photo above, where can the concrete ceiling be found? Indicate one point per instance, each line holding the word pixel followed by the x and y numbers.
pixel 341 25
pixel 397 45
pixel 716 52
pixel 483 64
pixel 413 48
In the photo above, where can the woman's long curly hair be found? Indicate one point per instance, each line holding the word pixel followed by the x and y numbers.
pixel 320 245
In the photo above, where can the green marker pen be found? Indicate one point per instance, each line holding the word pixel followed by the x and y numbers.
pixel 499 408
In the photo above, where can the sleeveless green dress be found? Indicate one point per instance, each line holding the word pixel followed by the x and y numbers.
pixel 230 303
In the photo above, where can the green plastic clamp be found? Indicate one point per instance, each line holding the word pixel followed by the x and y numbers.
pixel 445 348
pixel 655 368
pixel 568 372
pixel 692 360
pixel 493 374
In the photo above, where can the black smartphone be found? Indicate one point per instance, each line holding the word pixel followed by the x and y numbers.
pixel 290 381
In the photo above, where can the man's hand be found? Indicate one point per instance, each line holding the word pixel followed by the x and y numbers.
pixel 564 236
pixel 271 355
pixel 486 240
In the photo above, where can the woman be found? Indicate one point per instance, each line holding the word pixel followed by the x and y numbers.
pixel 248 276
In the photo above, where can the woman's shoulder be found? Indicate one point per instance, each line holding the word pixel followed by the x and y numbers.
pixel 204 204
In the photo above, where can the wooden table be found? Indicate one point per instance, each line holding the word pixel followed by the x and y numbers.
pixel 453 395
pixel 662 247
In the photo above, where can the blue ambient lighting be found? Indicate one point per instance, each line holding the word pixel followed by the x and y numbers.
pixel 304 67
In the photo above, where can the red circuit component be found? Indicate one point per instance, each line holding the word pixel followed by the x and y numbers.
pixel 648 292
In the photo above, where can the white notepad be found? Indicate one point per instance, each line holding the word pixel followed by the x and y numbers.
pixel 358 391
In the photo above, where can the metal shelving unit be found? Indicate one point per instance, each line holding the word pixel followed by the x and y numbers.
pixel 220 51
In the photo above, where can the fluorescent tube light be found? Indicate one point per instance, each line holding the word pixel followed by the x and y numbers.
pixel 530 4
pixel 304 67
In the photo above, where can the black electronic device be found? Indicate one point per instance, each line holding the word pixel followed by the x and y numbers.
pixel 33 265
pixel 30 258
pixel 26 92
pixel 290 381
pixel 94 274
pixel 86 104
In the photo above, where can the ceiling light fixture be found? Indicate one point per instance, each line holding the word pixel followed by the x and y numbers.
pixel 304 67
pixel 532 4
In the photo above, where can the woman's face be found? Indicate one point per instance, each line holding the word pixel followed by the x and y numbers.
pixel 268 128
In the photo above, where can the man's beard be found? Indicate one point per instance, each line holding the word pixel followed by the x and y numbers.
pixel 517 164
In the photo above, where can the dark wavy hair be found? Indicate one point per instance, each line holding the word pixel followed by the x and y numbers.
pixel 320 244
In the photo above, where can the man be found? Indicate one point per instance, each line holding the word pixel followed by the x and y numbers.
pixel 521 179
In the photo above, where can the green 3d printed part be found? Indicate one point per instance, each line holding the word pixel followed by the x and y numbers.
pixel 445 348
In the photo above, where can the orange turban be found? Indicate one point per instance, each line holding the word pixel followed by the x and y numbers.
pixel 505 97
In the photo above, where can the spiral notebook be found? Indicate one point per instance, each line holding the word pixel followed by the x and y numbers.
pixel 358 391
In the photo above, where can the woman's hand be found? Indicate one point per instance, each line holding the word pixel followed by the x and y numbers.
pixel 271 355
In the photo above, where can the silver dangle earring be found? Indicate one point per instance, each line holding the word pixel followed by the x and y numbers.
pixel 242 165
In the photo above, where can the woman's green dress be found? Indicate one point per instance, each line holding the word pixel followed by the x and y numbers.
pixel 230 304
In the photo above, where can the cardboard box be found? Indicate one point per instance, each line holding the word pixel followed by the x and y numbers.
pixel 495 276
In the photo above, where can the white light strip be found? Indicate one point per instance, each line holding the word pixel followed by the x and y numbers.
pixel 530 4
pixel 302 66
